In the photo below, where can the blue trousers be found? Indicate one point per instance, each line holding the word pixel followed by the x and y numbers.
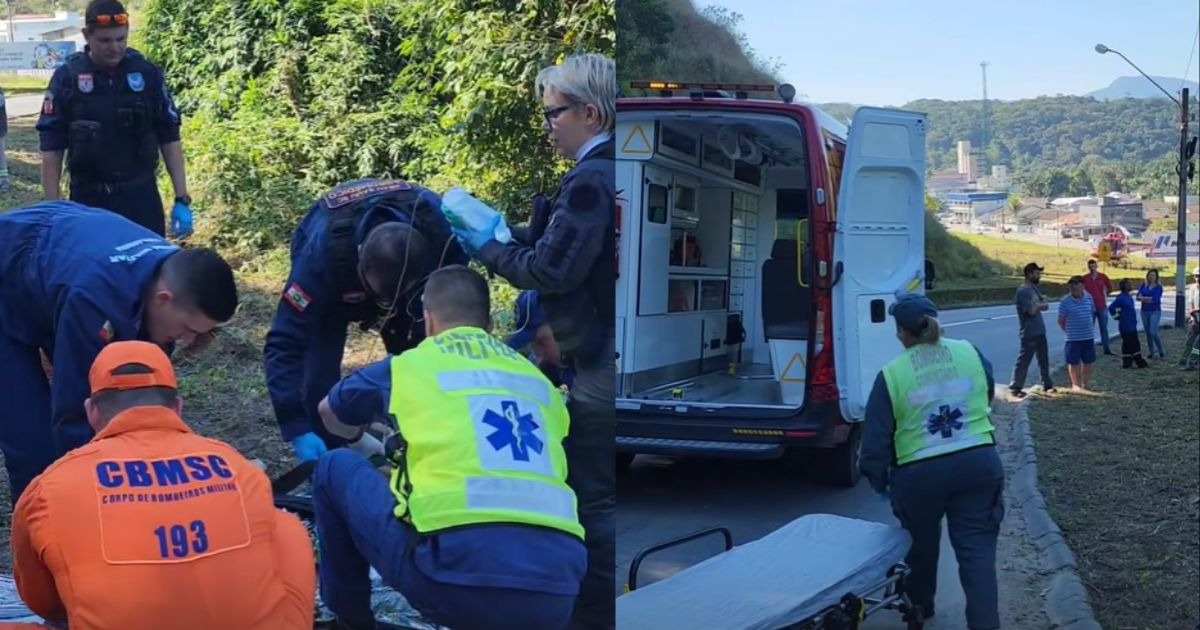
pixel 1154 344
pixel 357 530
pixel 28 439
pixel 968 489
pixel 1101 316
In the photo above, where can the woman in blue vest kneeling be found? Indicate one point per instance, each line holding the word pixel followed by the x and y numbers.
pixel 477 527
pixel 928 438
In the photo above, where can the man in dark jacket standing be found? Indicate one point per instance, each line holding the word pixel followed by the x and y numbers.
pixel 567 254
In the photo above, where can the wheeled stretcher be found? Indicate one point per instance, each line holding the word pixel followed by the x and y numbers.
pixel 819 571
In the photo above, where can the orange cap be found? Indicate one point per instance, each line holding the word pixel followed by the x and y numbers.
pixel 120 353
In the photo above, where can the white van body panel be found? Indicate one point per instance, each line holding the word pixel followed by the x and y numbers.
pixel 879 248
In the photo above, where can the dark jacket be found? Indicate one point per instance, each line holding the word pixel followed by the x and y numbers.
pixel 571 264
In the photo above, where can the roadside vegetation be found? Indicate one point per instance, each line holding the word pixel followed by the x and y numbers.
pixel 285 100
pixel 1119 471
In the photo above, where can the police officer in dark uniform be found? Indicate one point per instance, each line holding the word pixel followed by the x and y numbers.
pixel 568 254
pixel 109 109
pixel 361 254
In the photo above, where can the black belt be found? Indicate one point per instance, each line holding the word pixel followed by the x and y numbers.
pixel 108 188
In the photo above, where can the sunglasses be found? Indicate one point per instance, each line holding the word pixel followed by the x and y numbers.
pixel 551 114
pixel 108 19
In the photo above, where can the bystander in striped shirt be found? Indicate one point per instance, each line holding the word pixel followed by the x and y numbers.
pixel 1078 312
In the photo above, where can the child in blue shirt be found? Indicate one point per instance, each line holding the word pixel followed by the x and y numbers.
pixel 1124 311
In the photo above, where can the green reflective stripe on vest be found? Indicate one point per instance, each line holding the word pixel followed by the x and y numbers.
pixel 939 399
pixel 484 431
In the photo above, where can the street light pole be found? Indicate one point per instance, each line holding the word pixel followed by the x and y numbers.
pixel 1184 158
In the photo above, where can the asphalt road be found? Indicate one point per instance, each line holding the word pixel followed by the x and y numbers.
pixel 661 498
pixel 23 105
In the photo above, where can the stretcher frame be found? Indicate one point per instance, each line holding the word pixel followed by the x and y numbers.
pixel 847 614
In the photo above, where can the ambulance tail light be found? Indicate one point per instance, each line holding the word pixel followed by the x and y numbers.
pixel 823 382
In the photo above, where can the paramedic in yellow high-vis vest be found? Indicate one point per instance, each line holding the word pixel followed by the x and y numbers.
pixel 477 527
pixel 928 438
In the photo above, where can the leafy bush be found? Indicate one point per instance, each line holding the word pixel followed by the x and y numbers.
pixel 287 98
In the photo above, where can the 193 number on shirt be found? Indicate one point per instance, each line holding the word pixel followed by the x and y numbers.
pixel 178 541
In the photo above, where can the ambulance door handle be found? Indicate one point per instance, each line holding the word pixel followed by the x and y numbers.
pixel 878 311
pixel 801 225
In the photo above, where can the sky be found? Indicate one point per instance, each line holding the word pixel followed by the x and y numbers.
pixel 890 52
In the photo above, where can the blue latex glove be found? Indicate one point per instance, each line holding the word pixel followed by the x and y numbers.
pixel 308 447
pixel 181 219
pixel 474 240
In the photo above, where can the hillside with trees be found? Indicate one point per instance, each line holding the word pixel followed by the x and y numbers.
pixel 1059 145
pixel 285 99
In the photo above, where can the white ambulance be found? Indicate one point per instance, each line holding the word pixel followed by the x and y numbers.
pixel 760 245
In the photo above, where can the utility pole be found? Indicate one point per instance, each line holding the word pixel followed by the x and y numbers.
pixel 1185 148
pixel 984 112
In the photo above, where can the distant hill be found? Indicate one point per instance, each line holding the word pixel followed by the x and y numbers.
pixel 1139 87
pixel 1118 144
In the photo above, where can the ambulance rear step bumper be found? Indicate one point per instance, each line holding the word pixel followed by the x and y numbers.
pixel 698 448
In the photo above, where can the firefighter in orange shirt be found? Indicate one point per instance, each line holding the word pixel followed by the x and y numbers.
pixel 152 526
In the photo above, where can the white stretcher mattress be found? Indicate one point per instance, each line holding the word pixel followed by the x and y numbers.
pixel 780 579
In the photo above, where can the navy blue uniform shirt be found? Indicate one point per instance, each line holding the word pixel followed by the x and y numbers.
pixel 480 555
pixel 307 338
pixel 72 278
pixel 105 85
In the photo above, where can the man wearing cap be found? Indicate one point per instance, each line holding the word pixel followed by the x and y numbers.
pixel 152 526
pixel 1191 349
pixel 108 110
pixel 72 279
pixel 928 438
pixel 1030 306
pixel 477 526
pixel 534 333
pixel 360 254
pixel 1075 318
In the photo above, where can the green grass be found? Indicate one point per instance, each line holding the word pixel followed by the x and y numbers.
pixel 15 84
pixel 1119 470
pixel 221 381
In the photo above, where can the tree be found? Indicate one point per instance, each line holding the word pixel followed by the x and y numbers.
pixel 646 29
pixel 1081 184
pixel 290 97
pixel 1058 184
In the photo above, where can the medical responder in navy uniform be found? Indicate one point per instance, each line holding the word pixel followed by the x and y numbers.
pixel 568 253
pixel 929 439
pixel 73 278
pixel 533 333
pixel 354 259
pixel 109 110
pixel 480 530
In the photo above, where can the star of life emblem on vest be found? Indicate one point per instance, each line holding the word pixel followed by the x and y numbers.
pixel 946 421
pixel 514 431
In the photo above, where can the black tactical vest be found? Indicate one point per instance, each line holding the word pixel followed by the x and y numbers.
pixel 111 119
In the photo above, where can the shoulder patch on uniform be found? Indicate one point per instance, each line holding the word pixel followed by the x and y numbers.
pixel 349 194
pixel 297 297
pixel 106 332
pixel 48 103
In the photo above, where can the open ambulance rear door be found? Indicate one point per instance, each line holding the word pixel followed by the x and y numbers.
pixel 879 246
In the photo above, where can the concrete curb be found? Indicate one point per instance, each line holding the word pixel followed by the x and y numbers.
pixel 1066 598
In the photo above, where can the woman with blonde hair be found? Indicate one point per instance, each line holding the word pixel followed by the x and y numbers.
pixel 566 253
pixel 928 438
